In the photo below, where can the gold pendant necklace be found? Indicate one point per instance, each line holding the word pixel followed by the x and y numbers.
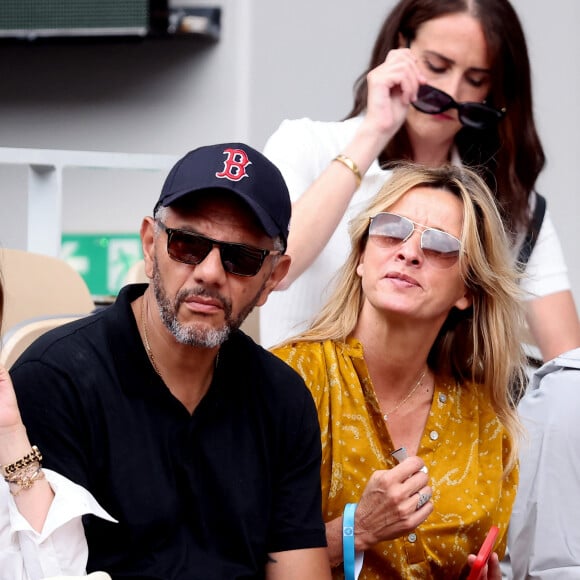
pixel 146 340
pixel 409 395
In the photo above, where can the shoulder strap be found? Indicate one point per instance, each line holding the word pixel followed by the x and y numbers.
pixel 533 231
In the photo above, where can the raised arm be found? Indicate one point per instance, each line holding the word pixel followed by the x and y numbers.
pixel 33 495
pixel 320 207
pixel 53 543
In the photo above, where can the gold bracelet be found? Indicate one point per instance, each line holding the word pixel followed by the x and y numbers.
pixel 348 162
pixel 33 457
pixel 27 479
pixel 23 472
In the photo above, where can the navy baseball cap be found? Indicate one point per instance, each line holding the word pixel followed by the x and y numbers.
pixel 238 168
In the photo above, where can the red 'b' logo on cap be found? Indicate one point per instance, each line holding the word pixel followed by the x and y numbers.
pixel 234 165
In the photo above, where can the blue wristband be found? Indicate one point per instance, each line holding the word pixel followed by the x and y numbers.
pixel 348 540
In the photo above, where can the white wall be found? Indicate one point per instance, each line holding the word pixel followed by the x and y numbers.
pixel 274 60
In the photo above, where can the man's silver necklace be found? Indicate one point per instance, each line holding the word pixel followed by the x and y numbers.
pixel 407 397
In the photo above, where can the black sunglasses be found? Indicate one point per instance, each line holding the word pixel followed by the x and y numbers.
pixel 191 248
pixel 474 115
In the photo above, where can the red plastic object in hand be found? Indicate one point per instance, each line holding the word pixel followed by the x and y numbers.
pixel 483 554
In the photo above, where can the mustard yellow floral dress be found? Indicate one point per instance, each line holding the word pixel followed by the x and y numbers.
pixel 464 447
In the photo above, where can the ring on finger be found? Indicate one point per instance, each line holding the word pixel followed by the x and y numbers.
pixel 423 499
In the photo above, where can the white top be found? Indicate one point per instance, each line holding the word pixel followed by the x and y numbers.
pixel 61 547
pixel 544 532
pixel 302 149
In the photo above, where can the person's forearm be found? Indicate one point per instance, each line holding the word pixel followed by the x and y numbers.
pixel 34 502
pixel 553 323
pixel 334 541
pixel 319 210
pixel 302 563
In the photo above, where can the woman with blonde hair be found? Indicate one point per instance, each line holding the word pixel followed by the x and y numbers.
pixel 448 81
pixel 415 350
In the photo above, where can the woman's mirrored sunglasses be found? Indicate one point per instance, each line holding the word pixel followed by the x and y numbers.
pixel 390 230
pixel 191 248
pixel 474 115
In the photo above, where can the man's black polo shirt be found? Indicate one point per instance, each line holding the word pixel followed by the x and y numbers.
pixel 205 496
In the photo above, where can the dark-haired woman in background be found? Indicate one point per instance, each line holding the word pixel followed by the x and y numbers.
pixel 464 65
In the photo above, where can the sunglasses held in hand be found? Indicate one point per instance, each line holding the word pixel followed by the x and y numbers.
pixel 474 115
pixel 191 248
pixel 390 230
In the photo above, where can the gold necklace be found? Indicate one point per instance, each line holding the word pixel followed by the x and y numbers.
pixel 409 395
pixel 146 340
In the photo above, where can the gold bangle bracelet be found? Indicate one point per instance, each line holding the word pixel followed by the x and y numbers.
pixel 348 162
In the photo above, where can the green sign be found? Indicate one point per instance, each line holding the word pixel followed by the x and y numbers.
pixel 103 260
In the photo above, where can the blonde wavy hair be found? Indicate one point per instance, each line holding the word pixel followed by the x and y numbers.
pixel 482 344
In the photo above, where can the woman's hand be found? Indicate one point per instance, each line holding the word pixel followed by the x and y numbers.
pixel 392 86
pixel 317 213
pixel 390 505
pixel 491 571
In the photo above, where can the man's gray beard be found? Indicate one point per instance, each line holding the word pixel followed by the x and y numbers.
pixel 197 334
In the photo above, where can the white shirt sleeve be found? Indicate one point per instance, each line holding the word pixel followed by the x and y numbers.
pixel 296 149
pixel 544 533
pixel 546 272
pixel 60 548
pixel 302 149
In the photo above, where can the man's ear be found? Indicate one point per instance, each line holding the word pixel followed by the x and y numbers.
pixel 147 233
pixel 278 273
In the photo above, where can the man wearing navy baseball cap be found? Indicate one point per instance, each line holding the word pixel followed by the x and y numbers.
pixel 239 169
pixel 203 446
